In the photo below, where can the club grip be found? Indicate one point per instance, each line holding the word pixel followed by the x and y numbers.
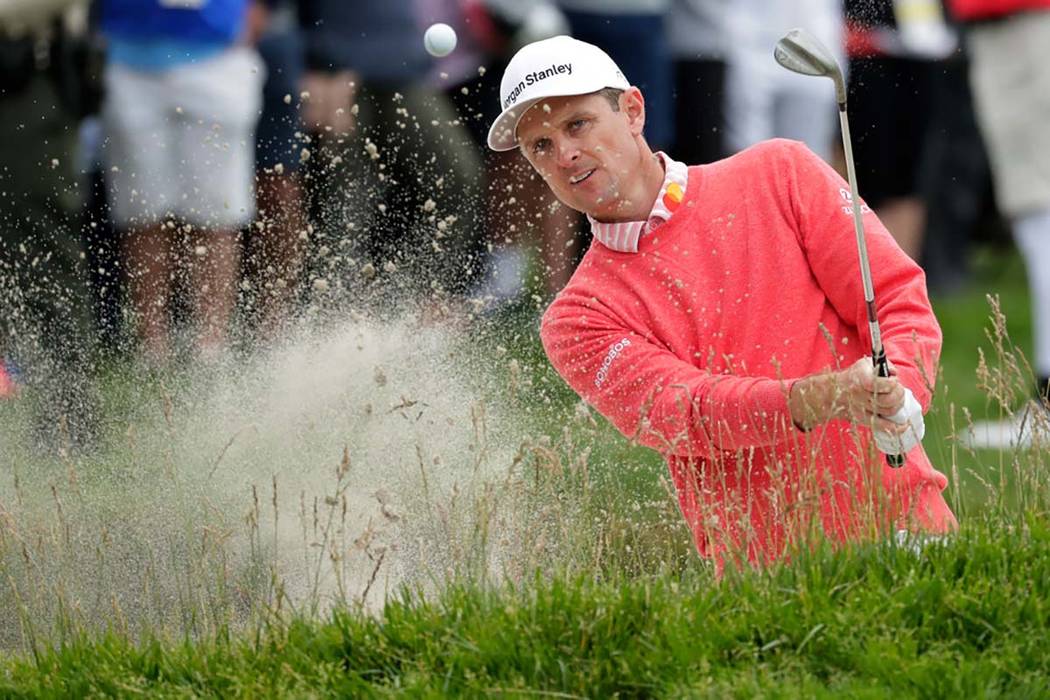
pixel 882 368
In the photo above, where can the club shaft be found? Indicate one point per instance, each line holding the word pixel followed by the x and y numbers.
pixel 800 52
pixel 878 352
pixel 862 246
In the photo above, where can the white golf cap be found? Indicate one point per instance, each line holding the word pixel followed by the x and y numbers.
pixel 555 67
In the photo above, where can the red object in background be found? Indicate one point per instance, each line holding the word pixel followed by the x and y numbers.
pixel 862 41
pixel 485 28
pixel 8 388
pixel 976 10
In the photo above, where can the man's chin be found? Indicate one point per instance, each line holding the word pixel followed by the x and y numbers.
pixel 595 207
pixel 607 211
pixel 584 206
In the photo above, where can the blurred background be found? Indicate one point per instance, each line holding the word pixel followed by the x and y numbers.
pixel 186 181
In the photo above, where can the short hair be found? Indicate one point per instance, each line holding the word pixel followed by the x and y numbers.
pixel 612 95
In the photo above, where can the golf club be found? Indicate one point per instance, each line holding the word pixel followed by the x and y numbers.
pixel 801 52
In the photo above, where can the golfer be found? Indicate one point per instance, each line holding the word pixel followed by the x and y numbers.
pixel 719 318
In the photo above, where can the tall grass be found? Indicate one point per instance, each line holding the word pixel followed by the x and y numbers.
pixel 964 619
pixel 524 562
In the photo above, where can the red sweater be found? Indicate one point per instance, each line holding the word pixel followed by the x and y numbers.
pixel 691 345
pixel 976 10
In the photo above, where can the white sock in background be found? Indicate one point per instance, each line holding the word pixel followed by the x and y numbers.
pixel 1032 233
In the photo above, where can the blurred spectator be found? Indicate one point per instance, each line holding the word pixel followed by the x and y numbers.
pixel 895 48
pixel 182 99
pixel 102 241
pixel 698 40
pixel 520 214
pixel 763 99
pixel 634 34
pixel 1010 75
pixel 274 245
pixel 954 181
pixel 45 321
pixel 393 176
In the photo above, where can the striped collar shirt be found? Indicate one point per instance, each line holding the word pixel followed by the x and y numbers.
pixel 623 236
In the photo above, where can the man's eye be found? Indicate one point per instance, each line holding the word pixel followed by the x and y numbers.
pixel 540 147
pixel 577 124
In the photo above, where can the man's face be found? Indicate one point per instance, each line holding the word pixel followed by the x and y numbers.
pixel 587 152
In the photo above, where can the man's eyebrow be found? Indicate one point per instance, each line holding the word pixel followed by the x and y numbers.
pixel 573 116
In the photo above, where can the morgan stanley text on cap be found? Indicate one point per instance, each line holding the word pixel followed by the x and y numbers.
pixel 555 67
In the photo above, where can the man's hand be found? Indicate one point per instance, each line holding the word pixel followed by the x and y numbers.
pixel 855 394
pixel 910 416
pixel 866 398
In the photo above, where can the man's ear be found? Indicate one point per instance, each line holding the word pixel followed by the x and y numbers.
pixel 632 103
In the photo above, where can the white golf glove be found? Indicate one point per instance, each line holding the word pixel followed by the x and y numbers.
pixel 910 413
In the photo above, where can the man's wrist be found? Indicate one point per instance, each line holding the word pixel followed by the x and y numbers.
pixel 811 401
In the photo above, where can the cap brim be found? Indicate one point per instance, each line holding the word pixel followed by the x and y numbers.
pixel 503 132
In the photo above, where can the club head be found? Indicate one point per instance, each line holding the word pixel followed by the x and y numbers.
pixel 801 52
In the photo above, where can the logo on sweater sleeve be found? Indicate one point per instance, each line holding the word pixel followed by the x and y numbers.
pixel 848 209
pixel 615 351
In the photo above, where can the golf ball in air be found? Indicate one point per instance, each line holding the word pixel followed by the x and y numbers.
pixel 439 39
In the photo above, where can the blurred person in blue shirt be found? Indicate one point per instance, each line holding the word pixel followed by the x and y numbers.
pixel 183 87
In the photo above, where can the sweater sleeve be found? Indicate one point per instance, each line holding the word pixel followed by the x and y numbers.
pixel 910 332
pixel 654 397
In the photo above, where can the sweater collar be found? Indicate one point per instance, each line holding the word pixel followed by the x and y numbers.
pixel 623 236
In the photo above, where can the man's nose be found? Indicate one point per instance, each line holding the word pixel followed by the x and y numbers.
pixel 567 153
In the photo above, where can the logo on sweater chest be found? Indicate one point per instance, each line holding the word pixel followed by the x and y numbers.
pixel 615 351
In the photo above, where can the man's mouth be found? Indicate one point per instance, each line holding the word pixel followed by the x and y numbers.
pixel 580 177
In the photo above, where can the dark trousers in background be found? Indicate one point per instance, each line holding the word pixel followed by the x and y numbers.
pixel 638 45
pixel 955 181
pixel 401 194
pixel 105 272
pixel 699 100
